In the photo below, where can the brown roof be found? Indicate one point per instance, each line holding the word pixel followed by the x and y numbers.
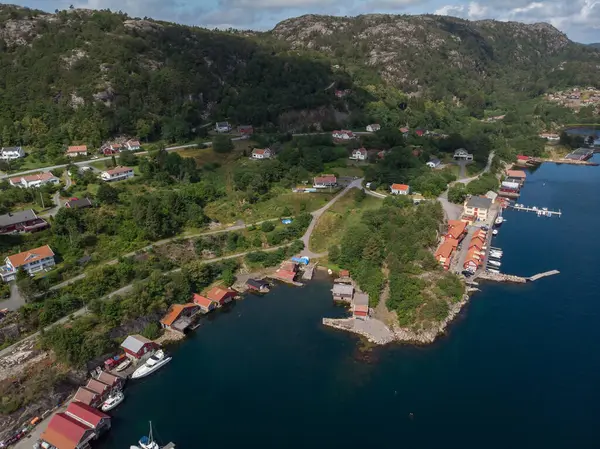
pixel 117 170
pixel 108 379
pixel 516 174
pixel 30 256
pixel 174 313
pixel 445 250
pixel 218 293
pixel 96 386
pixel 287 275
pixel 84 395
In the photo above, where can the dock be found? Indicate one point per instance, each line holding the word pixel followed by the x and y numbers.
pixel 309 271
pixel 500 277
pixel 537 210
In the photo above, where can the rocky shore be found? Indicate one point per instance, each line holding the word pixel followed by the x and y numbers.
pixel 375 331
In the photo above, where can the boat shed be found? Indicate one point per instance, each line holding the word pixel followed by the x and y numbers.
pixel 88 397
pixel 137 347
pixel 65 432
pixel 221 295
pixel 206 305
pixel 180 317
pixel 257 285
pixel 89 416
pixel 114 382
pixel 342 292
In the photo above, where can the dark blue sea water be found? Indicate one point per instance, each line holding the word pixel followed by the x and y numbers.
pixel 519 369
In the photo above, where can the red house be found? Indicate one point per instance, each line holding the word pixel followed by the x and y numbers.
pixel 522 158
pixel 89 416
pixel 206 305
pixel 65 432
pixel 221 295
pixel 137 347
pixel 88 397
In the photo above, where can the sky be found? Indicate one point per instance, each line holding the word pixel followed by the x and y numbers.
pixel 579 19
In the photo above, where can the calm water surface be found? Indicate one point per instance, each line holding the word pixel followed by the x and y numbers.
pixel 519 369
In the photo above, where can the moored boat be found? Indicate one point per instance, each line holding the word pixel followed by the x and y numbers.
pixel 123 365
pixel 154 363
pixel 495 232
pixel 499 220
pixel 491 270
pixel 112 401
pixel 147 442
pixel 494 263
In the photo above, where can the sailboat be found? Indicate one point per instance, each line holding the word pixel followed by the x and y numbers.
pixel 147 442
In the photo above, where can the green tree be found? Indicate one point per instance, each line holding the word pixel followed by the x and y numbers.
pixel 222 144
pixel 152 331
pixel 228 278
pixel 107 194
pixel 457 193
pixel 267 226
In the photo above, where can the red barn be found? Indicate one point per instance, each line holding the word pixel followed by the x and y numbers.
pixel 136 346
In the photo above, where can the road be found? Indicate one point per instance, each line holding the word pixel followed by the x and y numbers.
pixel 485 170
pixel 83 163
pixel 306 252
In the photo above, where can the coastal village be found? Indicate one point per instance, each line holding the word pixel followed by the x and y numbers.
pixel 465 248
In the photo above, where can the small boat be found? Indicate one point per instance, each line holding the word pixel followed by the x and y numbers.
pixel 155 362
pixel 495 232
pixel 494 263
pixel 112 401
pixel 491 270
pixel 499 220
pixel 123 365
pixel 147 442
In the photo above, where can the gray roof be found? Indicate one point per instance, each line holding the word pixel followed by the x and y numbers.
pixel 361 299
pixel 17 217
pixel 79 202
pixel 435 161
pixel 342 289
pixel 134 342
pixel 479 202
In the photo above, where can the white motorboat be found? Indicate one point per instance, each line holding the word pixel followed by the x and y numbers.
pixel 495 232
pixel 495 257
pixel 491 270
pixel 499 220
pixel 154 363
pixel 112 401
pixel 494 263
pixel 123 365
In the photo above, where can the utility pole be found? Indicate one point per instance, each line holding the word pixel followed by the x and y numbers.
pixel 42 198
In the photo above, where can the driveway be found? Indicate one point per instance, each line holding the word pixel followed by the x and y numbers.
pixel 15 301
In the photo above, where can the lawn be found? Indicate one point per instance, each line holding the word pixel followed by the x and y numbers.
pixel 205 156
pixel 230 209
pixel 344 213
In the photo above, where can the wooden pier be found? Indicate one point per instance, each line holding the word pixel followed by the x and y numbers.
pixel 537 210
pixel 308 272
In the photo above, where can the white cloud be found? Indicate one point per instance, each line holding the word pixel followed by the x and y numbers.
pixel 477 11
pixel 450 10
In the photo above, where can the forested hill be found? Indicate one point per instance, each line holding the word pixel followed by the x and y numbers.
pixel 441 55
pixel 82 76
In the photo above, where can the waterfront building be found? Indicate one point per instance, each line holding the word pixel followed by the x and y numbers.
pixel 360 306
pixel 179 317
pixel 205 304
pixel 66 432
pixel 491 195
pixel 342 292
pixel 477 207
pixel 114 382
pixel 456 229
pixel 257 285
pixel 517 174
pixel 138 347
pixel 89 416
pixel 100 388
pixel 88 397
pixel 221 295
pixel 31 261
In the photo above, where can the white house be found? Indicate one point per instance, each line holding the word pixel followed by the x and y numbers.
pixel 261 154
pixel 324 181
pixel 117 174
pixel 374 127
pixel 359 154
pixel 31 261
pixel 11 153
pixel 550 137
pixel 133 145
pixel 434 163
pixel 343 135
pixel 37 180
pixel 222 127
pixel 400 189
pixel 477 207
pixel 77 150
pixel 463 154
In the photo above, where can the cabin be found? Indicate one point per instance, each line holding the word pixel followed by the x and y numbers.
pixel 77 150
pixel 257 285
pixel 285 275
pixel 342 292
pixel 179 317
pixel 66 432
pixel 206 305
pixel 360 306
pixel 359 154
pixel 373 128
pixel 324 181
pixel 22 221
pixel 31 261
pixel 221 295
pixel 399 189
pixel 138 347
pixel 89 416
pixel 434 163
pixel 117 174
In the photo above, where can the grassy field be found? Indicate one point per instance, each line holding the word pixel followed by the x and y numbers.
pixel 332 224
pixel 228 210
pixel 205 156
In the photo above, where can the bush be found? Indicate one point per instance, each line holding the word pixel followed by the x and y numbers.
pixel 152 331
pixel 267 226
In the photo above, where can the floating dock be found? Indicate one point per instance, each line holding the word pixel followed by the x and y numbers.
pixel 536 210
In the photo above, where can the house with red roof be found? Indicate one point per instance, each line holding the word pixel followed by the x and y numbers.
pixel 522 158
pixel 206 305
pixel 77 150
pixel 400 189
pixel 114 382
pixel 285 275
pixel 221 295
pixel 179 317
pixel 343 134
pixel 100 388
pixel 324 181
pixel 66 432
pixel 456 229
pixel 88 397
pixel 133 145
pixel 261 153
pixel 444 253
pixel 89 416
